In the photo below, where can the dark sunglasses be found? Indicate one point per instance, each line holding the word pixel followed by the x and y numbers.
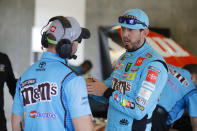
pixel 131 21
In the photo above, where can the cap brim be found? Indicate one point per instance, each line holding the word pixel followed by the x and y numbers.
pixel 85 33
pixel 136 26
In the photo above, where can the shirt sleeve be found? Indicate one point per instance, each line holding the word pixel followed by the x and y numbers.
pixel 17 107
pixel 77 97
pixel 108 82
pixel 192 106
pixel 152 80
pixel 178 116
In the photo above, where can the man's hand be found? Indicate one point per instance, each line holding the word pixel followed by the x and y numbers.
pixel 96 87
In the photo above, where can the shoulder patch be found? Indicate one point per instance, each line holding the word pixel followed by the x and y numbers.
pixel 151 76
pixel 144 93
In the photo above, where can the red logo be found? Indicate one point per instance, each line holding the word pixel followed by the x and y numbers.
pixel 124 75
pixel 32 114
pixel 152 76
pixel 130 105
pixel 53 28
pixel 139 61
pixel 115 96
pixel 141 101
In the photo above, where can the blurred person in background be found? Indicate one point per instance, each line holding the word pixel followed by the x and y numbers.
pixel 178 95
pixel 6 76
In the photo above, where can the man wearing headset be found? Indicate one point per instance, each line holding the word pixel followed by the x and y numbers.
pixel 50 95
pixel 137 80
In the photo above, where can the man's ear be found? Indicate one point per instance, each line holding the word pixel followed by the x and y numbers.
pixel 146 32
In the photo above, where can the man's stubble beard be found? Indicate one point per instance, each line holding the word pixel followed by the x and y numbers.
pixel 136 45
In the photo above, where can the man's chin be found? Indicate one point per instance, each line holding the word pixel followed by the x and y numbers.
pixel 126 47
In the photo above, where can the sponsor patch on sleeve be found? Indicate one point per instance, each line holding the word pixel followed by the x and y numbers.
pixel 144 93
pixel 148 85
pixel 140 107
pixel 151 76
pixel 84 100
pixel 124 102
pixel 154 69
pixel 141 101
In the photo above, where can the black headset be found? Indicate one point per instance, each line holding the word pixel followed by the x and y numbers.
pixel 64 46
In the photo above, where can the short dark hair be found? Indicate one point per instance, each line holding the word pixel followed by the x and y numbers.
pixel 192 68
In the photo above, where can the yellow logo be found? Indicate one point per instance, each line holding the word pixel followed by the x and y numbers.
pixel 131 76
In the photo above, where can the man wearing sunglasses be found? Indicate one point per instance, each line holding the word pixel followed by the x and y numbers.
pixel 139 76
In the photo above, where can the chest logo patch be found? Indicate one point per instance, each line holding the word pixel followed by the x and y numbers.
pixel 131 76
pixel 128 67
pixel 139 61
pixel 122 86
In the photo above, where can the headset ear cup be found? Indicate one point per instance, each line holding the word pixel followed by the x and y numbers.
pixel 44 39
pixel 66 51
pixel 64 48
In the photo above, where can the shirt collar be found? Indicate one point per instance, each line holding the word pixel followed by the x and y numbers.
pixel 53 56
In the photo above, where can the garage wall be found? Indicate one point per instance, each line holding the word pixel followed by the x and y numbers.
pixel 16 20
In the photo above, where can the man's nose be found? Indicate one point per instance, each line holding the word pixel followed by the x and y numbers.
pixel 125 33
